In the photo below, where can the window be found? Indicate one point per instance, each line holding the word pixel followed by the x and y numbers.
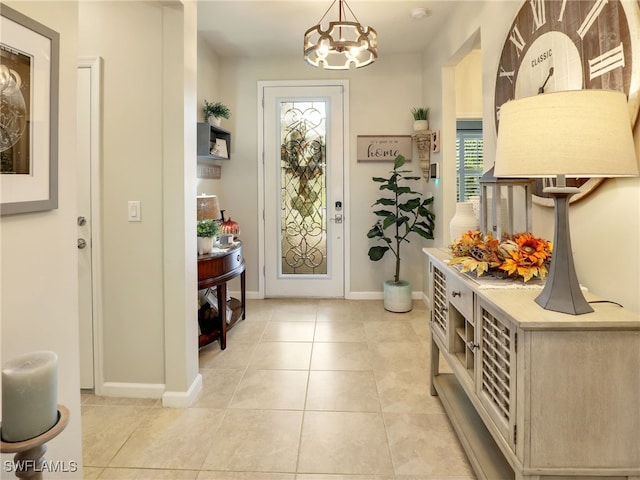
pixel 469 159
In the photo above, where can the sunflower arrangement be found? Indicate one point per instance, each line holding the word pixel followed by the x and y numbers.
pixel 519 255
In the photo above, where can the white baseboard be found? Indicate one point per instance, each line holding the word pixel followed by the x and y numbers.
pixel 364 296
pixel 132 390
pixel 250 295
pixel 254 295
pixel 377 295
pixel 183 399
pixel 153 390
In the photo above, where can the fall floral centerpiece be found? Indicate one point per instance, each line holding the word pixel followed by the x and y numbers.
pixel 520 255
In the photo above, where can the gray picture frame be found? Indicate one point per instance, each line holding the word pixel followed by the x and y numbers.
pixel 18 195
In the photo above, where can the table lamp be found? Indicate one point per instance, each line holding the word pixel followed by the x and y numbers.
pixel 208 207
pixel 582 133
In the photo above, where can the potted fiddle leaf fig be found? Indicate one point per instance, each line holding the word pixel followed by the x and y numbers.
pixel 405 212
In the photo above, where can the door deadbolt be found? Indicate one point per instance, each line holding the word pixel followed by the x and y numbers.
pixel 82 221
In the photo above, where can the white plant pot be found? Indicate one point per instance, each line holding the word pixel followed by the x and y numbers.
pixel 420 125
pixel 205 245
pixel 397 296
pixel 215 121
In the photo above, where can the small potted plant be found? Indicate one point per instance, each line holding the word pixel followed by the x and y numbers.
pixel 407 213
pixel 207 229
pixel 420 118
pixel 214 112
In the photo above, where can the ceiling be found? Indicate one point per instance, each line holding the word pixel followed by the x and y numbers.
pixel 276 28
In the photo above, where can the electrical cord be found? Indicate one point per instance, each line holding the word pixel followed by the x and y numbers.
pixel 606 301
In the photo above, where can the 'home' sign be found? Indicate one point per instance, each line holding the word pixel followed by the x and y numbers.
pixel 375 148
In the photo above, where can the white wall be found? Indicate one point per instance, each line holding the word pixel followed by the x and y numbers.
pixel 208 77
pixel 605 226
pixel 127 36
pixel 208 89
pixel 469 86
pixel 179 258
pixel 381 97
pixel 149 115
pixel 39 268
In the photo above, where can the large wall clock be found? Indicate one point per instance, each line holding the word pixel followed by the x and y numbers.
pixel 556 45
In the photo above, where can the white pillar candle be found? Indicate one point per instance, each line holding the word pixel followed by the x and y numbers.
pixel 29 395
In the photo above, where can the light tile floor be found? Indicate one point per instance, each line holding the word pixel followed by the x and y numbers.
pixel 305 390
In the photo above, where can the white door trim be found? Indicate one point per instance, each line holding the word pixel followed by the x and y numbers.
pixel 94 64
pixel 346 176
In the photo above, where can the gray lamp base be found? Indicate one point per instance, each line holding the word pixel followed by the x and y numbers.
pixel 561 292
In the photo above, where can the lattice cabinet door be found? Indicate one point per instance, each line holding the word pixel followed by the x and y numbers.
pixel 439 303
pixel 495 381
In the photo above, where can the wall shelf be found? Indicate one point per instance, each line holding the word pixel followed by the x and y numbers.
pixel 208 137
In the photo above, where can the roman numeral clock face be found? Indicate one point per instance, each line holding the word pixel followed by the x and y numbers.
pixel 556 45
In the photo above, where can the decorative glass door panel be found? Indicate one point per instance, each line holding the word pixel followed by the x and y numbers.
pixel 303 185
pixel 303 129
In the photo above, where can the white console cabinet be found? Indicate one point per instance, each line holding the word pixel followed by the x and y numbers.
pixel 535 394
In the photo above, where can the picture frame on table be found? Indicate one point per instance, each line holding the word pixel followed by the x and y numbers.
pixel 220 149
pixel 29 83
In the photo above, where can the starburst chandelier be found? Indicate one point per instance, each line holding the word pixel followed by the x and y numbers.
pixel 343 45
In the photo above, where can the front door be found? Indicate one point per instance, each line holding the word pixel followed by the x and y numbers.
pixel 304 154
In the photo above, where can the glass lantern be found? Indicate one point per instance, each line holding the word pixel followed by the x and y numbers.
pixel 505 205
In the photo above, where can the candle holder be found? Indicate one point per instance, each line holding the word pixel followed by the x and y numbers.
pixel 29 454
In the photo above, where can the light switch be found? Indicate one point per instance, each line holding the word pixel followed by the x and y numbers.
pixel 134 211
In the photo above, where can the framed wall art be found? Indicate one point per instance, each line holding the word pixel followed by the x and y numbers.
pixel 29 67
pixel 379 148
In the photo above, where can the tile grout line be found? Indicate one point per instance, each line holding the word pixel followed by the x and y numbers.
pixel 306 396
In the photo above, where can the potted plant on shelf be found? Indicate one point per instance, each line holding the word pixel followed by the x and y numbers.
pixel 207 229
pixel 214 112
pixel 420 118
pixel 407 213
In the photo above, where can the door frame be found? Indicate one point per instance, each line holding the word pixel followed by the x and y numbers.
pixel 94 64
pixel 346 175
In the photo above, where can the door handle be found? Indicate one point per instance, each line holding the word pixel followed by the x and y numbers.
pixel 82 243
pixel 337 218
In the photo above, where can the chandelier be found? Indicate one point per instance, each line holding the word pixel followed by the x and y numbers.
pixel 343 45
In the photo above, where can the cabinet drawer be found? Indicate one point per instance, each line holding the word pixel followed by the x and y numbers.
pixel 216 265
pixel 233 260
pixel 460 295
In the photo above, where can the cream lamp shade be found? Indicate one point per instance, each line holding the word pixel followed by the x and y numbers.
pixel 207 207
pixel 581 133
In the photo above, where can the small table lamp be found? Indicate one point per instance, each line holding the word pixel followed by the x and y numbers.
pixel 208 207
pixel 582 133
